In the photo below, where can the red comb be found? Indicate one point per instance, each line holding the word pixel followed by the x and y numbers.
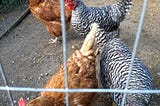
pixel 22 102
pixel 67 1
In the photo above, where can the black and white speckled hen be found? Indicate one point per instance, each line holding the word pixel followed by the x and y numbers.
pixel 108 17
pixel 115 59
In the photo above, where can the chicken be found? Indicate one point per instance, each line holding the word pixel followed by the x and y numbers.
pixel 108 17
pixel 48 12
pixel 115 59
pixel 81 74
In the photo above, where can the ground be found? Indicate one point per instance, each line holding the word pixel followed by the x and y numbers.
pixel 29 60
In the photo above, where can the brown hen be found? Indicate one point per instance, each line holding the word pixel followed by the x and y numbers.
pixel 81 74
pixel 48 12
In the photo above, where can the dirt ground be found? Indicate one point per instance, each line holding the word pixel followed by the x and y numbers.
pixel 29 61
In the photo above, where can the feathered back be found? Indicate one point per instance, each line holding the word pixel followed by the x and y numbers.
pixel 108 17
pixel 48 12
pixel 114 68
pixel 102 37
pixel 81 74
pixel 115 59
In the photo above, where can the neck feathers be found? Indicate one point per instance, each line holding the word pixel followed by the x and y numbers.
pixel 102 37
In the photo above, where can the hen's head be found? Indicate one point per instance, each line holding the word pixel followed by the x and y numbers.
pixel 71 4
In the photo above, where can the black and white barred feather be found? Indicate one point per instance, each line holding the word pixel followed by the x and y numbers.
pixel 115 59
pixel 108 17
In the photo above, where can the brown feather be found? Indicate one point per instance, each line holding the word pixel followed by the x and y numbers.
pixel 81 74
pixel 48 12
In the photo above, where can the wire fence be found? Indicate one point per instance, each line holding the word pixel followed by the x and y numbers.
pixel 67 90
pixel 11 13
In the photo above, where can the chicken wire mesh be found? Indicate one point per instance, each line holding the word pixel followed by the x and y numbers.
pixel 11 13
pixel 7 88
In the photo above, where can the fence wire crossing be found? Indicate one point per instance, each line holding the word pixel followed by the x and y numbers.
pixel 67 90
pixel 64 48
pixel 6 84
pixel 141 22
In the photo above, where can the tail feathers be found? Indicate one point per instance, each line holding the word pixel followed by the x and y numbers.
pixel 90 39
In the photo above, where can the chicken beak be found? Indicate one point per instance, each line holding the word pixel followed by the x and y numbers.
pixel 66 2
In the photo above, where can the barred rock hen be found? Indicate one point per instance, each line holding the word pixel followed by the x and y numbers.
pixel 48 12
pixel 81 74
pixel 115 59
pixel 108 17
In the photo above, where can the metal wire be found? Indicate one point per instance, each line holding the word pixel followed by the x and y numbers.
pixel 76 90
pixel 6 84
pixel 140 26
pixel 67 90
pixel 62 4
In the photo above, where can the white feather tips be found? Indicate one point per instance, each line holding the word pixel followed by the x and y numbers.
pixel 90 38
